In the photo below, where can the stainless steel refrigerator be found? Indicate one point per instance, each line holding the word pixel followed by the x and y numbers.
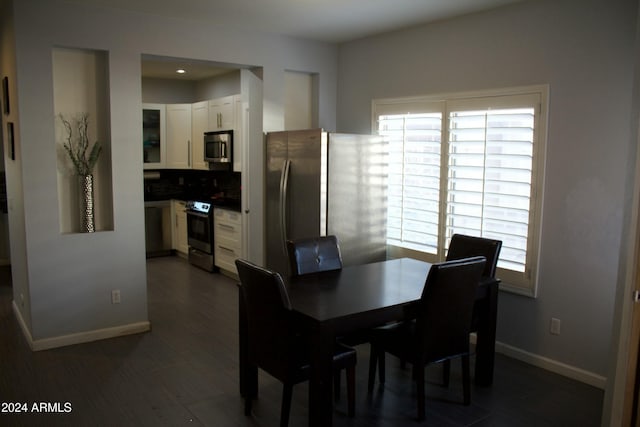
pixel 320 183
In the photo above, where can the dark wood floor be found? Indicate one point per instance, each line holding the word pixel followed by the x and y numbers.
pixel 185 372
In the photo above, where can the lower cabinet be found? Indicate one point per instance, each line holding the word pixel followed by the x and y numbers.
pixel 179 235
pixel 227 236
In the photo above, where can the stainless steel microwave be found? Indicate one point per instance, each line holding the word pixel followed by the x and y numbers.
pixel 218 149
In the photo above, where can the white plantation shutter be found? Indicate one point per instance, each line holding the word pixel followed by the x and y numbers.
pixel 481 181
pixel 489 180
pixel 414 184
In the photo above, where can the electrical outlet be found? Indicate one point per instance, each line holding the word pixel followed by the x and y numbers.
pixel 115 296
pixel 555 326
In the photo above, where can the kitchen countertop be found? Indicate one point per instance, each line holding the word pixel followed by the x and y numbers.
pixel 231 204
pixel 224 203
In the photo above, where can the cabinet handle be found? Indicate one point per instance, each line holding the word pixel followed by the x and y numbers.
pixel 227 249
pixel 228 227
pixel 188 153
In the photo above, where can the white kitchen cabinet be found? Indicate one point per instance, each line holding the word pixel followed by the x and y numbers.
pixel 178 132
pixel 153 136
pixel 199 125
pixel 227 236
pixel 222 113
pixel 238 134
pixel 173 134
pixel 179 230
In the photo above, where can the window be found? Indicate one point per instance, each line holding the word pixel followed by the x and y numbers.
pixel 469 164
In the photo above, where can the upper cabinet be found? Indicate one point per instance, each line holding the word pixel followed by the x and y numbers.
pixel 239 134
pixel 178 136
pixel 173 134
pixel 153 136
pixel 199 125
pixel 222 113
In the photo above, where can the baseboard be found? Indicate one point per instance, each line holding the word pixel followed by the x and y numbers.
pixel 560 368
pixel 80 337
pixel 569 371
pixel 23 325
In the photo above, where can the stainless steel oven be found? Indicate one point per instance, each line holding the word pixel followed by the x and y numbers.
pixel 200 234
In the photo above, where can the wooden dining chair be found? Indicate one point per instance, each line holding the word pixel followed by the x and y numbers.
pixel 311 255
pixel 440 331
pixel 274 342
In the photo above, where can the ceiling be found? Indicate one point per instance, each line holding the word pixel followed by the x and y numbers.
pixel 162 67
pixel 324 20
pixel 333 21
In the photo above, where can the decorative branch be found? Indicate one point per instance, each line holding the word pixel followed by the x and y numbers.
pixel 78 146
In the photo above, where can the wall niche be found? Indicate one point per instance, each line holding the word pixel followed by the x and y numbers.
pixel 81 86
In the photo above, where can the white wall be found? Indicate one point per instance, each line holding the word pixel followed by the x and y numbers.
pixel 584 51
pixel 298 101
pixel 13 169
pixel 173 91
pixel 80 86
pixel 219 86
pixel 166 91
pixel 66 279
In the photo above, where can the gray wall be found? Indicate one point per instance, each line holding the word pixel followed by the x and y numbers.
pixel 584 51
pixel 174 91
pixel 166 91
pixel 66 279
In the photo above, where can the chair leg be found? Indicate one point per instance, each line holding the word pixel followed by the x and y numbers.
pixel 247 405
pixel 419 371
pixel 373 361
pixel 466 379
pixel 336 386
pixel 351 390
pixel 381 366
pixel 287 392
pixel 446 372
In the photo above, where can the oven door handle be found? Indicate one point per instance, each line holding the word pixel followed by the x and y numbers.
pixel 198 214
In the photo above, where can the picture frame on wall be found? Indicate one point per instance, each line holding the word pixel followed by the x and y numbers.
pixel 11 148
pixel 5 95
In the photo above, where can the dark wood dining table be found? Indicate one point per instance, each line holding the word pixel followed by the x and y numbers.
pixel 332 304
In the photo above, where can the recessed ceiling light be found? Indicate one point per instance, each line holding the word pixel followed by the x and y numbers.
pixel 180 71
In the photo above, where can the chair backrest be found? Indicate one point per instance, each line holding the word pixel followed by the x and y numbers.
pixel 462 246
pixel 314 254
pixel 446 307
pixel 270 332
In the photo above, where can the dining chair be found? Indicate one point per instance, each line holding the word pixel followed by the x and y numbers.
pixel 440 331
pixel 309 255
pixel 275 344
pixel 314 254
pixel 464 246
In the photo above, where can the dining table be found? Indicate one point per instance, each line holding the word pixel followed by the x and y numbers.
pixel 331 304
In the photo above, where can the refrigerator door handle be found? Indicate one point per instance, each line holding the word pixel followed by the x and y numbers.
pixel 284 182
